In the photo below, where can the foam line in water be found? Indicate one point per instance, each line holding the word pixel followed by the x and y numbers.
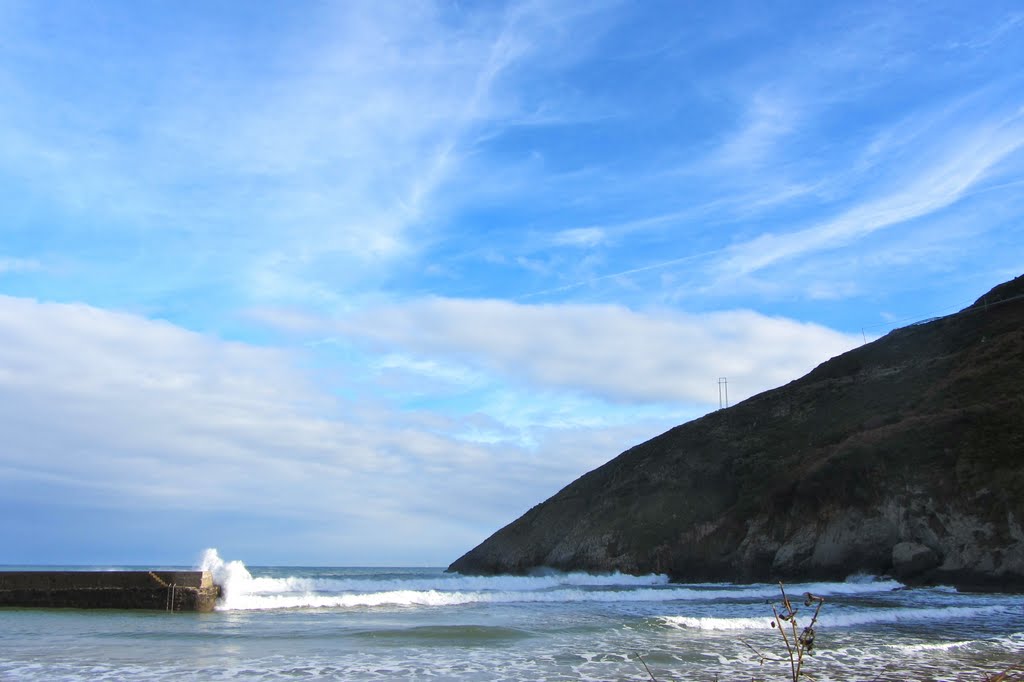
pixel 453 582
pixel 439 598
pixel 864 617
pixel 927 648
pixel 237 597
pixel 765 591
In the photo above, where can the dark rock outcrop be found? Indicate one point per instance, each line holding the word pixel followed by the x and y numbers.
pixel 910 559
pixel 904 456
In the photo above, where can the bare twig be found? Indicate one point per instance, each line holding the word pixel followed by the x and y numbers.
pixel 644 663
pixel 762 657
pixel 799 642
pixel 1007 675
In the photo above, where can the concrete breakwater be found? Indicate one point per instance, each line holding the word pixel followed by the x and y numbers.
pixel 151 590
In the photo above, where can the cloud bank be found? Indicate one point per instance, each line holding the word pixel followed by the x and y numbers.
pixel 113 411
pixel 607 350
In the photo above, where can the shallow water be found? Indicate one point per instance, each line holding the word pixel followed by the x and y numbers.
pixel 286 623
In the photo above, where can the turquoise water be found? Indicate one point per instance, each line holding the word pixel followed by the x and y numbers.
pixel 287 623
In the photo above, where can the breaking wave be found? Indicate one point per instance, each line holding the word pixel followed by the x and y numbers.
pixel 243 591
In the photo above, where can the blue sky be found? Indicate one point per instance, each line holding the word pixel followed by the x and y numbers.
pixel 359 283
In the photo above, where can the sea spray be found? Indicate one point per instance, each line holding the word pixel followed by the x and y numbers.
pixel 233 577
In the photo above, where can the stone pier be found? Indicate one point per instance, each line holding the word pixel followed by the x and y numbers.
pixel 152 590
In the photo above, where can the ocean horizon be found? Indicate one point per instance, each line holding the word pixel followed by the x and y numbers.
pixel 379 623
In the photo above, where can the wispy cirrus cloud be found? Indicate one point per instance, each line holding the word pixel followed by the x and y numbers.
pixel 316 176
pixel 892 173
pixel 924 185
pixel 769 118
pixel 14 265
pixel 952 175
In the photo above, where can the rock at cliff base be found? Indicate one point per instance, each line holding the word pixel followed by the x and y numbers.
pixel 910 559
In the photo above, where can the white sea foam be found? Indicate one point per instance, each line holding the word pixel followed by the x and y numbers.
pixel 243 591
pixel 454 582
pixel 235 581
pixel 925 648
pixel 840 619
pixel 444 598
pixel 766 591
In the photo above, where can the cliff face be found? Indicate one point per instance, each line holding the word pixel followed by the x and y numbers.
pixel 904 457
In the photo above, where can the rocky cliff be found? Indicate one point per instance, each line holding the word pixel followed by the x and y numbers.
pixel 904 456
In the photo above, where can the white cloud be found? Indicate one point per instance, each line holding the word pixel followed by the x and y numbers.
pixel 580 236
pixel 88 393
pixel 769 118
pixel 605 350
pixel 106 410
pixel 14 265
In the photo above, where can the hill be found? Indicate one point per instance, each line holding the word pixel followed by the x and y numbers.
pixel 904 456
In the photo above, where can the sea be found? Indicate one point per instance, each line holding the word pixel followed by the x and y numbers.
pixel 327 623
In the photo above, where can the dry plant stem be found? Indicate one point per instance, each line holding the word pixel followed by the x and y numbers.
pixel 1006 675
pixel 802 641
pixel 881 672
pixel 644 663
pixel 789 649
pixel 761 657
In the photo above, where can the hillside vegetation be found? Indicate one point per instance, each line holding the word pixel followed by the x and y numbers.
pixel 904 456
